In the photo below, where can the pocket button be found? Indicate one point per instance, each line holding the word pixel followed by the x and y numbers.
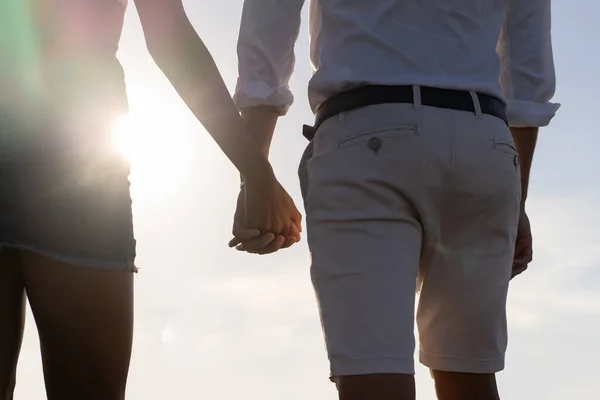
pixel 375 143
pixel 516 160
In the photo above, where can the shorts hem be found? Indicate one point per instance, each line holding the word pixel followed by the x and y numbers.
pixel 449 364
pixel 77 261
pixel 372 366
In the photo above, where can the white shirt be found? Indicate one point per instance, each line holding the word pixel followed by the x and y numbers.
pixel 497 47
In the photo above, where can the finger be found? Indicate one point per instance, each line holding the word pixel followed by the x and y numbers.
pixel 524 255
pixel 234 242
pixel 517 270
pixel 256 243
pixel 289 241
pixel 519 262
pixel 295 232
pixel 242 235
pixel 271 248
pixel 259 242
pixel 528 254
pixel 297 219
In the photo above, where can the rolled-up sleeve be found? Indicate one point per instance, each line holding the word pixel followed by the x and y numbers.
pixel 527 76
pixel 268 33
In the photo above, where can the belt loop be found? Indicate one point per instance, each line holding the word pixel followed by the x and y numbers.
pixel 476 104
pixel 308 132
pixel 416 97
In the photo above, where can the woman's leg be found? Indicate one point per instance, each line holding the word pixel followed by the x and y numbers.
pixel 85 322
pixel 12 319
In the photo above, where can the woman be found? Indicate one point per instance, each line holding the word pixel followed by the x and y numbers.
pixel 66 233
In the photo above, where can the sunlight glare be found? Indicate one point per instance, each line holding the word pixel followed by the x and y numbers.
pixel 168 334
pixel 124 136
pixel 159 146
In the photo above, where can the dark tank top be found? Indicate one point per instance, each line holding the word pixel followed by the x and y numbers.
pixel 58 62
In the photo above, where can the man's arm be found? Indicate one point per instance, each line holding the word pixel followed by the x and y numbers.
pixel 525 141
pixel 186 62
pixel 527 76
pixel 268 32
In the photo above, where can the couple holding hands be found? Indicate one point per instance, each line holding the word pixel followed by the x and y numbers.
pixel 414 179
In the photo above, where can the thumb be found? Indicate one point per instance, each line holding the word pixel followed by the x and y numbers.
pixel 245 234
pixel 242 234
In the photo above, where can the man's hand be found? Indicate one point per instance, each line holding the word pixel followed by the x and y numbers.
pixel 523 245
pixel 265 219
pixel 525 141
pixel 284 225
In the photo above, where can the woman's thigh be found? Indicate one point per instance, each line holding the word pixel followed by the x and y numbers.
pixel 85 322
pixel 69 212
pixel 12 318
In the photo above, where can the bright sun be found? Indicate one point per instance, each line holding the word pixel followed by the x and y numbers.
pixel 157 142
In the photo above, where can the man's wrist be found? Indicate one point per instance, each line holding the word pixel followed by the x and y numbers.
pixel 524 191
pixel 260 122
pixel 525 141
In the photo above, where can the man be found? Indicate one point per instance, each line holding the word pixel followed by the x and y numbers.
pixel 412 179
pixel 66 233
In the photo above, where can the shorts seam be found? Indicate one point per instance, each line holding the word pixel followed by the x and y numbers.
pixel 462 365
pixel 373 358
pixel 342 366
pixel 77 261
pixel 491 360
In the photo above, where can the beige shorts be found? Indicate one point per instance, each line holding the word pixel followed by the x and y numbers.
pixel 401 199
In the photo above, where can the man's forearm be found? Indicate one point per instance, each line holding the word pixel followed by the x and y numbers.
pixel 525 140
pixel 260 122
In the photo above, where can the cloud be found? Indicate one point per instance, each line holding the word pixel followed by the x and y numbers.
pixel 564 274
pixel 554 307
pixel 232 324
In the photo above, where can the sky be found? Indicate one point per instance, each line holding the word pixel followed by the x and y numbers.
pixel 215 323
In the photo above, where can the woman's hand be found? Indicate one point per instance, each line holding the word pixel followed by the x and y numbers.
pixel 266 218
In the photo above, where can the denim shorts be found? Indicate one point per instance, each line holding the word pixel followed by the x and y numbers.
pixel 64 193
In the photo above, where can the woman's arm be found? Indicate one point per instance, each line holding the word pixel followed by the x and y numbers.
pixel 186 62
pixel 184 59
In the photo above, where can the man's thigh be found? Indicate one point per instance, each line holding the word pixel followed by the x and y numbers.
pixel 365 238
pixel 462 306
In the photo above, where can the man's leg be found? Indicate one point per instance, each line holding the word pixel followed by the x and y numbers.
pixel 462 307
pixel 365 240
pixel 376 386
pixel 461 386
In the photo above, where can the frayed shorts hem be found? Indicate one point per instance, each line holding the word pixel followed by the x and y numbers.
pixel 78 261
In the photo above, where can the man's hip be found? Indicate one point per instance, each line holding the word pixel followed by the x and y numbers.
pixel 405 197
pixel 371 95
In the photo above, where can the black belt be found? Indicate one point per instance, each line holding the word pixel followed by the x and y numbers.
pixel 434 97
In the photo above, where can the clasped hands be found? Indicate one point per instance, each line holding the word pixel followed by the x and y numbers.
pixel 266 219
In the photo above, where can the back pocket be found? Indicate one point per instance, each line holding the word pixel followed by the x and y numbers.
pixel 507 147
pixel 381 133
pixel 303 170
pixel 504 146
